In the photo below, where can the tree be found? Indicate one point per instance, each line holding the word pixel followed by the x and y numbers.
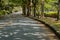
pixel 34 5
pixel 25 7
pixel 58 16
pixel 42 8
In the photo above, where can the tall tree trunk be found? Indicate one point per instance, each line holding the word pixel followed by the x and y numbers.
pixel 58 16
pixel 29 8
pixel 34 3
pixel 24 10
pixel 28 11
pixel 42 8
pixel 30 5
pixel 34 10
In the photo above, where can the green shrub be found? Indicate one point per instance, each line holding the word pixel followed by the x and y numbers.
pixel 1 13
pixel 16 10
pixel 4 12
pixel 51 14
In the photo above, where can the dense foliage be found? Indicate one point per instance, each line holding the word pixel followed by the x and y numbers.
pixel 38 6
pixel 5 7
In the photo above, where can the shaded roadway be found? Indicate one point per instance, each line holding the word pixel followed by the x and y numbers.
pixel 17 27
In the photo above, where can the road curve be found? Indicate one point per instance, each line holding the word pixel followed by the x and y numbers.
pixel 17 27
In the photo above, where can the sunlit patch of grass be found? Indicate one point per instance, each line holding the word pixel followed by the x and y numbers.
pixel 51 14
pixel 53 22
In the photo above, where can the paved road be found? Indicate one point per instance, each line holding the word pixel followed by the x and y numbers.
pixel 17 27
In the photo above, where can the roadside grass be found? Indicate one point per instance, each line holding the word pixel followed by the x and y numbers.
pixel 51 20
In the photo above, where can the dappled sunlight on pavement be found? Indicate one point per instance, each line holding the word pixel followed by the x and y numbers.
pixel 18 27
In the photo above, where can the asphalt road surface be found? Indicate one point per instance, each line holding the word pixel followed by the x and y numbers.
pixel 18 27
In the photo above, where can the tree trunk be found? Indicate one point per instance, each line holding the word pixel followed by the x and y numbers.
pixel 34 10
pixel 34 3
pixel 58 16
pixel 42 10
pixel 24 10
pixel 29 8
pixel 28 11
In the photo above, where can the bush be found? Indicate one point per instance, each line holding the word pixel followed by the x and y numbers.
pixel 4 12
pixel 8 12
pixel 51 14
pixel 16 10
pixel 1 13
